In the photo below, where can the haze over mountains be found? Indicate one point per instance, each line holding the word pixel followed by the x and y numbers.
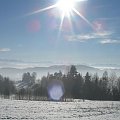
pixel 16 73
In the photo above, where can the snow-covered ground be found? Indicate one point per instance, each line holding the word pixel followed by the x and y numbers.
pixel 39 110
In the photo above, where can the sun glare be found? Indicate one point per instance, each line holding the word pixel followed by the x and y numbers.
pixel 66 6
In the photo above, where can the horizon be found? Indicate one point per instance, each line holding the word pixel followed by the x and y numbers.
pixel 16 73
pixel 5 63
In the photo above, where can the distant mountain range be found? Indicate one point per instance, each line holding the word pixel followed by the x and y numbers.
pixel 16 73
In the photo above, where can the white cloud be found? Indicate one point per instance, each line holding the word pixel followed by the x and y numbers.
pixel 80 38
pixel 110 41
pixel 104 37
pixel 5 49
pixel 103 34
pixel 90 36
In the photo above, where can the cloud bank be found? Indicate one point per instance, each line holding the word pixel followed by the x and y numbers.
pixel 104 37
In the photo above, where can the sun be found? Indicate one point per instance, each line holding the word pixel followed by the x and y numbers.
pixel 66 6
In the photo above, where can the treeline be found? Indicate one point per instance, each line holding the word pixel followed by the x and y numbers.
pixel 7 87
pixel 59 86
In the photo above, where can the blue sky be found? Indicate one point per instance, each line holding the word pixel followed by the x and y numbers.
pixel 36 37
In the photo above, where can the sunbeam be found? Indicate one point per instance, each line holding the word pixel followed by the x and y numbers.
pixel 61 24
pixel 79 14
pixel 66 8
pixel 42 10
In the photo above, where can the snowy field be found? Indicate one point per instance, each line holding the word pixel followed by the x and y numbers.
pixel 38 110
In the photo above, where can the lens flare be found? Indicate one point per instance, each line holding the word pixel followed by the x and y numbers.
pixel 55 90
